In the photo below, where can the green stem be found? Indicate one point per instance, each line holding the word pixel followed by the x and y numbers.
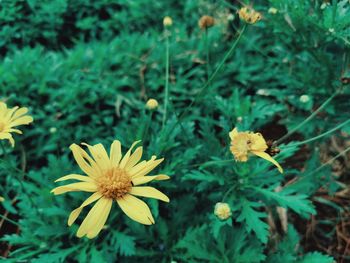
pixel 207 53
pixel 320 136
pixel 292 131
pixel 213 76
pixel 9 220
pixel 206 85
pixel 145 132
pixel 166 90
pixel 227 193
pixel 330 161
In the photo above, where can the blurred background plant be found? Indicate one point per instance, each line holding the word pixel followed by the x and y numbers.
pixel 86 70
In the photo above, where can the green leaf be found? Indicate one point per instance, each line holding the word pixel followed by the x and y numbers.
pixel 252 219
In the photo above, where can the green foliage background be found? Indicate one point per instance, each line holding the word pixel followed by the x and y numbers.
pixel 86 69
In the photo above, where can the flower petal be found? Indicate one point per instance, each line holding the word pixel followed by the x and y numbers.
pixel 103 215
pixel 115 152
pixel 267 157
pixel 76 177
pixel 75 213
pixel 7 136
pixel 258 142
pixel 233 133
pixel 82 186
pixel 149 166
pixel 100 155
pixel 146 179
pixel 92 217
pixel 147 191
pixel 127 155
pixel 134 158
pixel 136 209
pixel 85 162
pixel 21 121
pixel 20 112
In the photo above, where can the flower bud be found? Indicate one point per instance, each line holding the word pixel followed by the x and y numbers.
pixel 222 211
pixel 206 22
pixel 167 21
pixel 151 104
pixel 272 11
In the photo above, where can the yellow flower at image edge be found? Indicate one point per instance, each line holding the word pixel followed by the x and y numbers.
pixel 10 118
pixel 245 143
pixel 111 178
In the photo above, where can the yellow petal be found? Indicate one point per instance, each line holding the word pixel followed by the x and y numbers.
pixel 21 121
pixel 258 142
pixel 75 213
pixel 9 113
pixel 136 209
pixel 146 179
pixel 147 191
pixel 92 217
pixel 233 133
pixel 103 215
pixel 14 130
pixel 138 167
pixel 100 155
pixel 149 166
pixel 85 162
pixel 134 158
pixel 127 155
pixel 267 157
pixel 116 152
pixel 7 136
pixel 20 113
pixel 83 186
pixel 76 177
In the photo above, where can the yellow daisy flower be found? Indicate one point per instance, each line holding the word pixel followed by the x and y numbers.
pixel 111 178
pixel 244 143
pixel 249 15
pixel 11 117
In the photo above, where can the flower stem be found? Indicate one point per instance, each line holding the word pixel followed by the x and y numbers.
pixel 292 131
pixel 166 90
pixel 330 161
pixel 207 84
pixel 321 135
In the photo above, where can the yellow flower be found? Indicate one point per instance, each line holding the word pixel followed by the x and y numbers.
pixel 151 104
pixel 244 143
pixel 167 21
pixel 111 178
pixel 249 15
pixel 2 199
pixel 222 211
pixel 10 118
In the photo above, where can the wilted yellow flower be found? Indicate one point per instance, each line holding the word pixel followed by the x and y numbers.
pixel 10 118
pixel 249 15
pixel 272 10
pixel 206 22
pixel 167 21
pixel 151 104
pixel 111 178
pixel 222 211
pixel 244 143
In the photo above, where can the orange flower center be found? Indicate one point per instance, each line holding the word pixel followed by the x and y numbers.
pixel 115 183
